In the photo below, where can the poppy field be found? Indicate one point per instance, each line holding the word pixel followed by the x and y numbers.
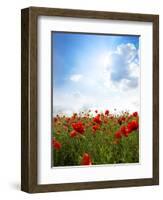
pixel 95 138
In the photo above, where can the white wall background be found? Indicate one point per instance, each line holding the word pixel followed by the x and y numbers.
pixel 10 98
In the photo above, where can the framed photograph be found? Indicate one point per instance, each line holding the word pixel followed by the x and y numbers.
pixel 90 99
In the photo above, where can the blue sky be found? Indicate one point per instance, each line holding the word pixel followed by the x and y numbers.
pixel 94 71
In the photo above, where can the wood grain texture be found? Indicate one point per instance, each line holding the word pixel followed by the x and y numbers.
pixel 29 101
pixel 91 14
pixel 156 99
pixel 24 100
pixel 29 88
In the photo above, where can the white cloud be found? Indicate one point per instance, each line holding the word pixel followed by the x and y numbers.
pixel 123 71
pixel 67 103
pixel 105 84
pixel 76 77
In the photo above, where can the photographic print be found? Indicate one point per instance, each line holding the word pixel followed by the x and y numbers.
pixel 89 99
pixel 96 96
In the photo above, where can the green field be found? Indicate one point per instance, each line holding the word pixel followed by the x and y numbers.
pixel 94 138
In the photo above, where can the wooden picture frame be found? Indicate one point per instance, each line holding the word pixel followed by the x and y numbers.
pixel 29 97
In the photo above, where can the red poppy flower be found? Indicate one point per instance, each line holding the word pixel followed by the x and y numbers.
pixel 107 112
pixel 56 144
pixel 124 131
pixel 128 129
pixel 73 133
pixel 131 126
pixel 86 159
pixel 79 127
pixel 118 134
pixel 96 111
pixel 97 119
pixel 95 128
pixel 135 114
pixel 120 121
pixel 123 118
pixel 134 124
